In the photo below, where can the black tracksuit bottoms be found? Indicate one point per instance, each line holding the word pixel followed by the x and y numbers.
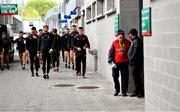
pixel 55 59
pixel 34 60
pixel 80 58
pixel 46 58
pixel 123 68
pixel 136 73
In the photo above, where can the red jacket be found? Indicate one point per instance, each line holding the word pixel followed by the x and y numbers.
pixel 118 52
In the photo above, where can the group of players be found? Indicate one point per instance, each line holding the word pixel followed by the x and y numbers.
pixel 45 47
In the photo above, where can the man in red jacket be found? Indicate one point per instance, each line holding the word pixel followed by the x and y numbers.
pixel 119 61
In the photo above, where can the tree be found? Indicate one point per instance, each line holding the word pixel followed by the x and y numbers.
pixel 31 14
pixel 38 8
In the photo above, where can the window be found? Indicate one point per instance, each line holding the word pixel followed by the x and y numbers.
pixel 110 4
pixel 93 10
pixel 110 7
pixel 100 7
pixel 88 13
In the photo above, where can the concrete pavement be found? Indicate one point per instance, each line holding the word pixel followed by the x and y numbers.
pixel 19 92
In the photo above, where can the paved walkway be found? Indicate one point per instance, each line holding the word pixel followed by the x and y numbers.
pixel 20 92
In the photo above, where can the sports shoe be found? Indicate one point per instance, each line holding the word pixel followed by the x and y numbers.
pixel 73 66
pixel 37 74
pixel 124 94
pixel 69 66
pixel 116 93
pixel 47 76
pixel 133 95
pixel 140 95
pixel 8 67
pixel 44 76
pixel 32 75
pixel 23 66
pixel 84 77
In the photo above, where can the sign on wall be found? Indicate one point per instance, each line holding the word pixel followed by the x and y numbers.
pixel 146 22
pixel 67 17
pixel 62 21
pixel 8 9
pixel 117 22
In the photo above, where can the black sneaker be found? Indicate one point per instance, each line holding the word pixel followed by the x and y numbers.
pixel 140 95
pixel 47 76
pixel 84 77
pixel 116 93
pixel 73 67
pixel 69 66
pixel 37 75
pixel 55 70
pixel 133 95
pixel 124 94
pixel 44 76
pixel 65 65
pixel 8 67
pixel 78 74
pixel 2 69
pixel 32 75
pixel 23 67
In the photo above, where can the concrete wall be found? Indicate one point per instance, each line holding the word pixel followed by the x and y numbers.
pixel 101 35
pixel 36 23
pixel 129 11
pixel 162 57
pixel 2 20
pixel 52 18
pixel 52 22
pixel 101 32
pixel 7 19
pixel 129 14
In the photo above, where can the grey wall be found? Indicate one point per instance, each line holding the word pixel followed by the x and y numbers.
pixel 129 14
pixel 101 35
pixel 101 32
pixel 52 22
pixel 1 19
pixel 129 11
pixel 6 20
pixel 162 57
